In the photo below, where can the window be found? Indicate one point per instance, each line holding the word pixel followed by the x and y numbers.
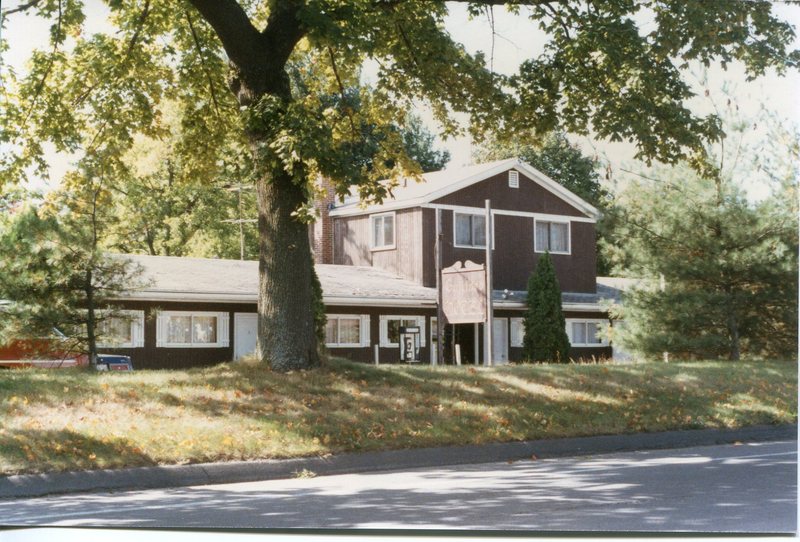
pixel 585 332
pixel 121 329
pixel 551 237
pixel 470 230
pixel 513 179
pixel 517 332
pixel 183 329
pixel 347 330
pixel 382 231
pixel 390 329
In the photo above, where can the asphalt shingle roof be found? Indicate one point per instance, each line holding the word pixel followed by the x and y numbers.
pixel 196 279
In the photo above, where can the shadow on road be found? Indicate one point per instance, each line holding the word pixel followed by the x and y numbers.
pixel 747 488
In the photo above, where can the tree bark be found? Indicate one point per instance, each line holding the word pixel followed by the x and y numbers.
pixel 287 338
pixel 286 331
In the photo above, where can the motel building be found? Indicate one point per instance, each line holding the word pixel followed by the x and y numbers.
pixel 391 273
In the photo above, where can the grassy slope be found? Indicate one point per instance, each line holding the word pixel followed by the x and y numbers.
pixel 64 420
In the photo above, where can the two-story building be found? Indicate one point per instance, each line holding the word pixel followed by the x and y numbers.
pixel 378 270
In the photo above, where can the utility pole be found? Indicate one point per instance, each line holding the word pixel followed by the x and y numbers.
pixel 240 221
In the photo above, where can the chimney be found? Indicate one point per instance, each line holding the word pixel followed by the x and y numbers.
pixel 322 241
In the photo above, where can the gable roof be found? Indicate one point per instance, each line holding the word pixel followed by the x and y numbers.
pixel 437 184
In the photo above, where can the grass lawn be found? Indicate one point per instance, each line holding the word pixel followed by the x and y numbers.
pixel 76 419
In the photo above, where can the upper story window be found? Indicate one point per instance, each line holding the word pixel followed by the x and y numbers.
pixel 470 230
pixel 513 179
pixel 551 237
pixel 382 231
pixel 121 329
pixel 186 329
pixel 585 332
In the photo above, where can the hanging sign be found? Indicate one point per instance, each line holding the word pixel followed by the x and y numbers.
pixel 464 293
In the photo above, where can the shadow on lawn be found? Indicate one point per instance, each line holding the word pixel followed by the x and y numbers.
pixel 68 450
pixel 348 406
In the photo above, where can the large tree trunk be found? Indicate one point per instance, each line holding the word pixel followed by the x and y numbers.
pixel 286 331
pixel 286 338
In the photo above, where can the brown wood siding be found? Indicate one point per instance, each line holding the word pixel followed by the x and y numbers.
pixel 152 357
pixel 352 244
pixel 514 258
pixel 386 355
pixel 351 241
pixel 577 354
pixel 428 260
pixel 530 197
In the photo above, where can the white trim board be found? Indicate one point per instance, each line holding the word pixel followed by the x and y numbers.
pixel 503 212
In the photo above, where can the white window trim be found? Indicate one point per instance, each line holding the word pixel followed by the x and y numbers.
pixel 372 245
pixel 476 247
pixel 137 329
pixel 600 323
pixel 223 329
pixel 511 342
pixel 569 236
pixel 363 329
pixel 384 328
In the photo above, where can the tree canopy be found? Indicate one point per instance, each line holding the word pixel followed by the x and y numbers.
pixel 260 74
pixel 719 268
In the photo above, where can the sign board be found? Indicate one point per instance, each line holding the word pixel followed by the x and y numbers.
pixel 409 344
pixel 464 293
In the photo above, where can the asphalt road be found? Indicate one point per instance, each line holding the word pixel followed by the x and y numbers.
pixel 740 488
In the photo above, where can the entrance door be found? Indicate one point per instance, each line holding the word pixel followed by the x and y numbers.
pixel 245 332
pixel 499 341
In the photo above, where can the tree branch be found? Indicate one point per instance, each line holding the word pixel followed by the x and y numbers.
pixel 211 87
pixel 233 27
pixel 56 42
pixel 22 7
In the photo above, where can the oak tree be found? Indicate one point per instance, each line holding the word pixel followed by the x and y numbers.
pixel 251 70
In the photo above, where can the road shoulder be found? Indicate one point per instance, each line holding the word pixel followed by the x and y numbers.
pixel 35 485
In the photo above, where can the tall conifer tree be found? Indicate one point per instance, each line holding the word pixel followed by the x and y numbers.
pixel 545 329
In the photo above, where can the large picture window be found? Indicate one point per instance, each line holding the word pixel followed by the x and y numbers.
pixel 121 329
pixel 347 330
pixel 470 230
pixel 184 329
pixel 390 329
pixel 551 237
pixel 586 332
pixel 382 231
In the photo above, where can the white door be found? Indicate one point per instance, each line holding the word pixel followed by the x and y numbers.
pixel 499 341
pixel 245 332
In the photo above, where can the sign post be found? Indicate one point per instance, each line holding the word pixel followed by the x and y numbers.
pixel 487 326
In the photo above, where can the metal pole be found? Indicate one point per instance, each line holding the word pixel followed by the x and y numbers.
pixel 487 328
pixel 439 314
